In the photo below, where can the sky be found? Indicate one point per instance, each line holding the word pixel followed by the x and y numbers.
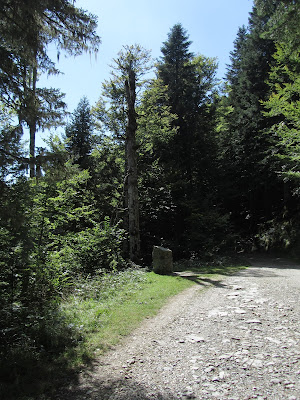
pixel 212 26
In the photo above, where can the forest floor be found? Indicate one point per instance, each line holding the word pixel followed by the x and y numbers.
pixel 239 338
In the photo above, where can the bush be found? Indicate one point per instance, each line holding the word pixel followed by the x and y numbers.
pixel 279 234
pixel 206 230
pixel 90 250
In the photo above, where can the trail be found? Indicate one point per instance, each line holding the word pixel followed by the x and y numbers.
pixel 238 339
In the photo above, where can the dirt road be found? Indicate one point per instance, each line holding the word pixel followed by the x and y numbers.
pixel 239 339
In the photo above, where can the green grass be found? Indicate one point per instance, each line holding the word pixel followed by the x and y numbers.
pixel 102 320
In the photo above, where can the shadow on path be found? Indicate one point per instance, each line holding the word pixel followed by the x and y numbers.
pixel 256 272
pixel 121 389
pixel 270 261
pixel 267 266
pixel 260 265
pixel 194 277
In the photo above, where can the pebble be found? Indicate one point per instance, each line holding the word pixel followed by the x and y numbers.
pixel 253 321
pixel 275 381
pixel 195 339
pixel 240 311
pixel 209 369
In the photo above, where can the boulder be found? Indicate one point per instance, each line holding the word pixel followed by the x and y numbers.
pixel 162 260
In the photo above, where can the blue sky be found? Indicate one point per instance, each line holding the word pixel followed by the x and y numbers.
pixel 212 26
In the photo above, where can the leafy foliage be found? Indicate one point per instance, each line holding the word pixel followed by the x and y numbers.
pixel 284 105
pixel 50 232
pixel 154 135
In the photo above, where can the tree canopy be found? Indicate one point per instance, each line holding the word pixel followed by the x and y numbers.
pixel 27 29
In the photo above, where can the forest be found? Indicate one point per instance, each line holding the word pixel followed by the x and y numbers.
pixel 178 160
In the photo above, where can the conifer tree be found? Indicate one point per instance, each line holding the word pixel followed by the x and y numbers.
pixel 252 185
pixel 27 29
pixel 79 134
pixel 282 107
pixel 190 82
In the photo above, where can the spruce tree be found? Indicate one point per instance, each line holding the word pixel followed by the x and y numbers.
pixel 176 72
pixel 79 134
pixel 190 82
pixel 251 184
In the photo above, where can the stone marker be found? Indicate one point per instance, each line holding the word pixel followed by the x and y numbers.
pixel 162 260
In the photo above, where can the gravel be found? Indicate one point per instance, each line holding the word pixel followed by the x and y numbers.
pixel 236 339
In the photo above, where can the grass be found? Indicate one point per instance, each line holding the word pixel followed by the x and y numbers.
pixel 118 306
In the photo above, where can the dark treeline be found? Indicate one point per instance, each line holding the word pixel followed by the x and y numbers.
pixel 178 161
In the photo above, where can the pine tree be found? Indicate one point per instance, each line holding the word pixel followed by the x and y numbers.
pixel 79 134
pixel 252 188
pixel 190 82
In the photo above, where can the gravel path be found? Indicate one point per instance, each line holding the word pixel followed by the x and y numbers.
pixel 238 339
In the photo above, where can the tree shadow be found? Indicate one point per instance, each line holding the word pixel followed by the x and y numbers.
pixel 122 389
pixel 258 265
pixel 256 272
pixel 266 265
pixel 272 261
pixel 195 277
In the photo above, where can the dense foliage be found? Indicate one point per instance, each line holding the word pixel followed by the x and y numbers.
pixel 258 135
pixel 206 169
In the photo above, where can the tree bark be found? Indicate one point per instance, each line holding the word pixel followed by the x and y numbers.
pixel 32 126
pixel 32 131
pixel 133 198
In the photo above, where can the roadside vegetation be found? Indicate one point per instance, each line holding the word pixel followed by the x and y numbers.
pixel 95 314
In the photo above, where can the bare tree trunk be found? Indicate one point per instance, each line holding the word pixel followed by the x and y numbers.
pixel 125 205
pixel 32 131
pixel 133 198
pixel 32 126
